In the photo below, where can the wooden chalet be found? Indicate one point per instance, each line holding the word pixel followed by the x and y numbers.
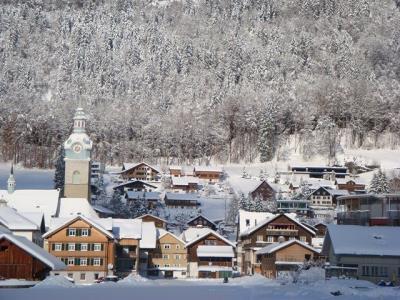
pixel 86 247
pixel 150 198
pixel 135 185
pixel 22 259
pixel 351 185
pixel 175 171
pixel 284 257
pixel 202 221
pixel 209 174
pixel 209 254
pixel 158 222
pixel 140 171
pixel 185 184
pixel 263 191
pixel 278 228
pixel 177 200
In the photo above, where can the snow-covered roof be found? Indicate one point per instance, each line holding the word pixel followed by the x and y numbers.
pixel 175 167
pixel 149 235
pixel 276 246
pixel 131 182
pixel 76 206
pixel 102 209
pixel 182 196
pixel 335 192
pixel 207 169
pixel 35 217
pixel 203 216
pixel 13 220
pixel 290 216
pixel 127 228
pixel 184 180
pixel 162 232
pixel 193 234
pixel 128 166
pixel 153 216
pixel 43 201
pixel 252 219
pixel 103 225
pixel 363 240
pixel 143 195
pixel 215 251
pixel 346 180
pixel 36 251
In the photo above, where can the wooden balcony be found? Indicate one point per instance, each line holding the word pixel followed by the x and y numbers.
pixel 282 232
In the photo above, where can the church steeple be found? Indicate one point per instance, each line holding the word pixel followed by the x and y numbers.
pixel 11 181
pixel 79 121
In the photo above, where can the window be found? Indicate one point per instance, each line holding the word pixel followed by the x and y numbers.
pixel 177 256
pixel 260 238
pixel 96 247
pixel 165 256
pixel 71 232
pixel 84 247
pixel 167 246
pixel 166 265
pixel 96 262
pixel 96 276
pixel 270 239
pixel 70 275
pixel 71 247
pixel 57 247
pixel 83 276
pixel 85 232
pixel 303 239
pixel 247 222
pixel 71 262
pixel 210 242
pixel 177 247
pixel 83 262
pixel 76 177
pixel 291 238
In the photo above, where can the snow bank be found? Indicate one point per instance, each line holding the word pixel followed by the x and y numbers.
pixel 133 279
pixel 55 281
pixel 311 275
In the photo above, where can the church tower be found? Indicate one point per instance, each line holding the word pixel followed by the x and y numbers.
pixel 78 148
pixel 11 181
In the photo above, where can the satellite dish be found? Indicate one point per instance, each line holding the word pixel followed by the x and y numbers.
pixel 110 266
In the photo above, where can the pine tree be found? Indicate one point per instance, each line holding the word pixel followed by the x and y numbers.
pixel 257 205
pixel 59 174
pixel 379 183
pixel 267 132
pixel 138 208
pixel 116 205
pixel 244 203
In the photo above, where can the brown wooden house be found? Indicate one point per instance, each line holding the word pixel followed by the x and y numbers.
pixel 139 171
pixel 86 247
pixel 351 185
pixel 158 222
pixel 175 171
pixel 263 191
pixel 279 228
pixel 208 173
pixel 185 184
pixel 22 259
pixel 202 221
pixel 209 254
pixel 284 257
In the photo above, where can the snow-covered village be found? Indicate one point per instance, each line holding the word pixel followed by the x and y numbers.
pixel 191 149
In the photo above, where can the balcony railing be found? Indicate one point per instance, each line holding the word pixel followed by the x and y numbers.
pixel 283 232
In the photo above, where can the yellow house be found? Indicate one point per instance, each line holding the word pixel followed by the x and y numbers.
pixel 169 258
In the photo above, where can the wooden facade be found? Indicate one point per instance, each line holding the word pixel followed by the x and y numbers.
pixel 284 259
pixel 351 186
pixel 202 221
pixel 277 229
pixel 263 191
pixel 141 171
pixel 19 264
pixel 90 252
pixel 158 222
pixel 210 175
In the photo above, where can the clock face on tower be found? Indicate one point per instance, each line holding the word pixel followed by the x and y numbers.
pixel 77 148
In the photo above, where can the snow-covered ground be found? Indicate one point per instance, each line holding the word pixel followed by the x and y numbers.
pixel 255 287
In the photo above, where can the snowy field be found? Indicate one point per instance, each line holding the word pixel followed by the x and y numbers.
pixel 27 178
pixel 255 287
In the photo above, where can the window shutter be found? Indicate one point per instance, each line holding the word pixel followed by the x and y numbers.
pixel 89 232
pixel 91 261
pixel 78 232
pixel 78 247
pixel 101 261
pixel 53 247
pixel 63 247
pixel 67 233
pixel 102 247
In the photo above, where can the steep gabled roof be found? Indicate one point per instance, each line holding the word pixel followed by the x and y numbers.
pixel 129 166
pixel 204 217
pixel 267 221
pixel 70 207
pixel 13 220
pixel 153 216
pixel 202 233
pixel 131 182
pixel 277 246
pixel 83 218
pixel 34 250
pixel 162 232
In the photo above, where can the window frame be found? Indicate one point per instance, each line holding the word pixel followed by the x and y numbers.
pixel 70 248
